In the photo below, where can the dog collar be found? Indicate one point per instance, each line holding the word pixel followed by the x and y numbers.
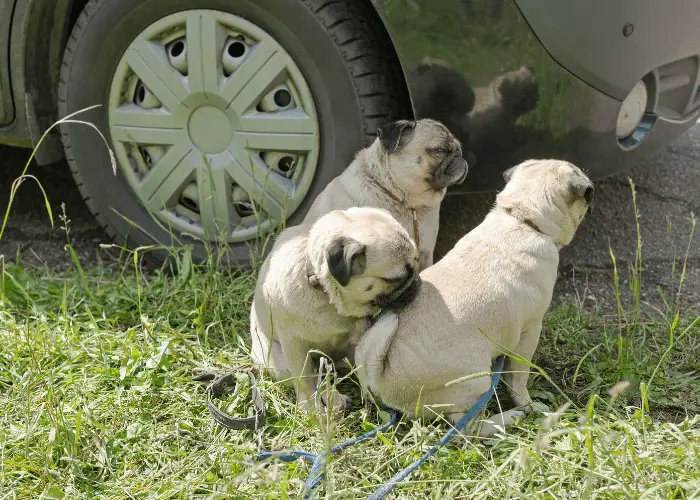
pixel 527 222
pixel 414 215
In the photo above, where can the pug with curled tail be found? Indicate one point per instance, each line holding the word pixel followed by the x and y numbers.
pixel 318 285
pixel 406 171
pixel 492 289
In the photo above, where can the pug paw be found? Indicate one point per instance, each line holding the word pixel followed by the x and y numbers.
pixel 341 403
pixel 307 404
pixel 537 407
pixel 497 423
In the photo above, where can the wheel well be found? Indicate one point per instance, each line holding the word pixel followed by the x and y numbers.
pixel 386 44
pixel 44 24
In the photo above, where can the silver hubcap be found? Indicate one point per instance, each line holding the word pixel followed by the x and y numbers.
pixel 213 125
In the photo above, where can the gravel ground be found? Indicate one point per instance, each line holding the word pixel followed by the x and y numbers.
pixel 668 192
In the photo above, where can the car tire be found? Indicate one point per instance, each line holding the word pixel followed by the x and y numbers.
pixel 340 48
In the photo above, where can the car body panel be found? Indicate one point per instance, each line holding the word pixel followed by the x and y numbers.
pixel 37 38
pixel 7 109
pixel 612 45
pixel 478 66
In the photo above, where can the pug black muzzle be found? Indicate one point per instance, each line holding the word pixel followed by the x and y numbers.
pixel 402 296
pixel 589 196
pixel 453 170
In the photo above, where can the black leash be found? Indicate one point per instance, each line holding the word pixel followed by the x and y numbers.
pixel 225 385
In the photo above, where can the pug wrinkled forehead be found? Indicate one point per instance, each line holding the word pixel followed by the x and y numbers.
pixel 424 150
pixel 430 134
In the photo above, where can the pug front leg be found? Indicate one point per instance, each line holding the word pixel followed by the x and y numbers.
pixel 340 403
pixel 304 370
pixel 330 396
pixel 517 373
pixel 301 366
pixel 355 336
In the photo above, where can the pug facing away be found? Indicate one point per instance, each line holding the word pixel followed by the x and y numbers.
pixel 492 289
pixel 318 285
pixel 406 171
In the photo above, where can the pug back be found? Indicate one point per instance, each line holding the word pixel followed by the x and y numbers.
pixel 492 289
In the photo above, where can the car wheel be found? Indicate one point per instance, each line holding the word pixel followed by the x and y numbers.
pixel 226 119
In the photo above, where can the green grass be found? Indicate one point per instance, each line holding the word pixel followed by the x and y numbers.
pixel 97 400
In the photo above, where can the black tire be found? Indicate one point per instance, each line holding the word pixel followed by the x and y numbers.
pixel 340 47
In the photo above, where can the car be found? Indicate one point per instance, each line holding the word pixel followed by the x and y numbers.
pixel 224 119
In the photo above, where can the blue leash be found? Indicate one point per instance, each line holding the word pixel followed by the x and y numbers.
pixel 319 461
pixel 476 408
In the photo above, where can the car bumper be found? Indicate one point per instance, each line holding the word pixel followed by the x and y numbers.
pixel 514 83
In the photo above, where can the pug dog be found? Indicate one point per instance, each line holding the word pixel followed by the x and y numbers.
pixel 406 171
pixel 318 286
pixel 487 296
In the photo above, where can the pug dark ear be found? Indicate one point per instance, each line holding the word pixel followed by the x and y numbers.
pixel 345 258
pixel 391 134
pixel 508 174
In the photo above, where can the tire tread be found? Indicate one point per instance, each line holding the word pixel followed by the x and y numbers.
pixel 66 64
